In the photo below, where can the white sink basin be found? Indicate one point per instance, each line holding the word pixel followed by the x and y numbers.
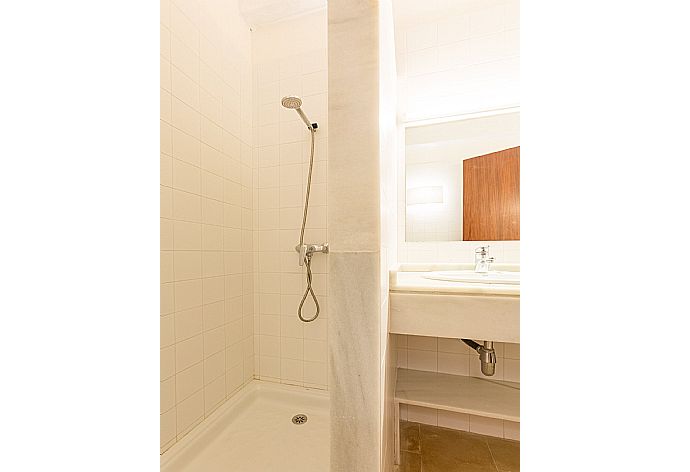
pixel 470 276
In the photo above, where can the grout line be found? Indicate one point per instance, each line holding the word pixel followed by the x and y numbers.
pixel 492 455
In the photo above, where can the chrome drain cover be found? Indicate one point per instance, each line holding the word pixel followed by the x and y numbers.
pixel 299 419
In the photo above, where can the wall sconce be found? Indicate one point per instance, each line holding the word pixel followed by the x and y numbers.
pixel 421 195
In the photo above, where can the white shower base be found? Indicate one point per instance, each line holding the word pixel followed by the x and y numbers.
pixel 253 432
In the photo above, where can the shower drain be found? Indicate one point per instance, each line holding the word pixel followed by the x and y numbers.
pixel 299 419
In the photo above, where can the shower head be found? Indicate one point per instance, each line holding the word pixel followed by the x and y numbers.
pixel 295 103
pixel 291 102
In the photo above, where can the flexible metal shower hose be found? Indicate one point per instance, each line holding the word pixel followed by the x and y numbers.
pixel 307 257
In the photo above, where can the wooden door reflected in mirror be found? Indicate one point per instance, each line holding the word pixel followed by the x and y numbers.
pixel 491 196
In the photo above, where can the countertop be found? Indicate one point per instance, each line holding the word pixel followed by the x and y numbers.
pixel 409 278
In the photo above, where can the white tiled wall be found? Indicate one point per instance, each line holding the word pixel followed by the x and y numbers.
pixel 206 212
pixel 456 251
pixel 462 59
pixel 290 58
pixel 451 356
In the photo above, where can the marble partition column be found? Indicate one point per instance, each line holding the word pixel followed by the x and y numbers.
pixel 354 362
pixel 354 235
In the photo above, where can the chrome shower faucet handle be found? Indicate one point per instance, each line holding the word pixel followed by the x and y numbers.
pixel 302 251
pixel 307 250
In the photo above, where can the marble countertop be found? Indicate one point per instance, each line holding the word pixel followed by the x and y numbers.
pixel 409 278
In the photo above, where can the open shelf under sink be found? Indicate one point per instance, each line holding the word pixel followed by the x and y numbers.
pixel 475 396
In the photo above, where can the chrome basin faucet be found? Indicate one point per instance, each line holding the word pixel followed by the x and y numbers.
pixel 482 261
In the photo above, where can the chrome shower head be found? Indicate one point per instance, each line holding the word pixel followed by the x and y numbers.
pixel 295 103
pixel 291 102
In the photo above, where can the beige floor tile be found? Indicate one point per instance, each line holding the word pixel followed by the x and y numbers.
pixel 426 448
pixel 410 462
pixel 506 454
pixel 409 436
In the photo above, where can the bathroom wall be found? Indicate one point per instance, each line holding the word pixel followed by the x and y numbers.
pixel 290 58
pixel 457 57
pixel 206 321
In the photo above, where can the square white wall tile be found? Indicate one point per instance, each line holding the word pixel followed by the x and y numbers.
pixel 511 430
pixel 453 420
pixel 420 414
pixel 486 426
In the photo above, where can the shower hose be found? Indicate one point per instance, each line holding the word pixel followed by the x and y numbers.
pixel 308 254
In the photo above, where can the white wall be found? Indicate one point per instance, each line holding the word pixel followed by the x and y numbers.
pixel 457 57
pixel 206 208
pixel 290 58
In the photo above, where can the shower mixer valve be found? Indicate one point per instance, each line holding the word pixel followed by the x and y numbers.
pixel 307 250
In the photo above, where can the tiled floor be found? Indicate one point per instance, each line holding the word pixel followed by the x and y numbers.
pixel 426 448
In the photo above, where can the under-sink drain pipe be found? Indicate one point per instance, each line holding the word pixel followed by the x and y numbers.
pixel 487 355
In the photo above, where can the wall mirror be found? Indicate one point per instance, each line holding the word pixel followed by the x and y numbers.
pixel 462 179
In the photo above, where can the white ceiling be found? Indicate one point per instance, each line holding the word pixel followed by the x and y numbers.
pixel 261 12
